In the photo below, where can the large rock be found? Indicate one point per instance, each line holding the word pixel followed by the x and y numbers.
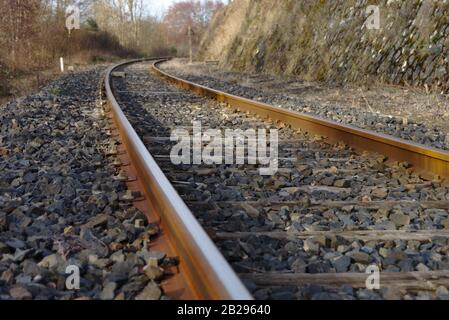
pixel 400 219
pixel 20 293
pixel 151 292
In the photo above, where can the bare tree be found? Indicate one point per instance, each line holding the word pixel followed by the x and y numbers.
pixel 189 14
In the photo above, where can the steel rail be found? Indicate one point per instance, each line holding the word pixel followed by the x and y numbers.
pixel 208 274
pixel 428 161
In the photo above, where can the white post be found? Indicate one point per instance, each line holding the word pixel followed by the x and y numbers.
pixel 190 44
pixel 61 60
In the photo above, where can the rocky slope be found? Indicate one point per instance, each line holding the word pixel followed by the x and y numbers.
pixel 329 40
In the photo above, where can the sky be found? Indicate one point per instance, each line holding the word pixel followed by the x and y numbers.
pixel 158 7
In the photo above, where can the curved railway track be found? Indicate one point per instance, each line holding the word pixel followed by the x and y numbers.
pixel 203 274
pixel 342 200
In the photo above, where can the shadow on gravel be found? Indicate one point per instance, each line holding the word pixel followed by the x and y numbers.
pixel 132 101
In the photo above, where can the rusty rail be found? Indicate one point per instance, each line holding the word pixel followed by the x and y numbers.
pixel 203 268
pixel 425 160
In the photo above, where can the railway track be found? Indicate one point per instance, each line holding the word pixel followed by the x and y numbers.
pixel 342 200
pixel 202 272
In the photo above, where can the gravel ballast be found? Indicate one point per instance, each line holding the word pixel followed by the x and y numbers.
pixel 60 205
pixel 405 113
